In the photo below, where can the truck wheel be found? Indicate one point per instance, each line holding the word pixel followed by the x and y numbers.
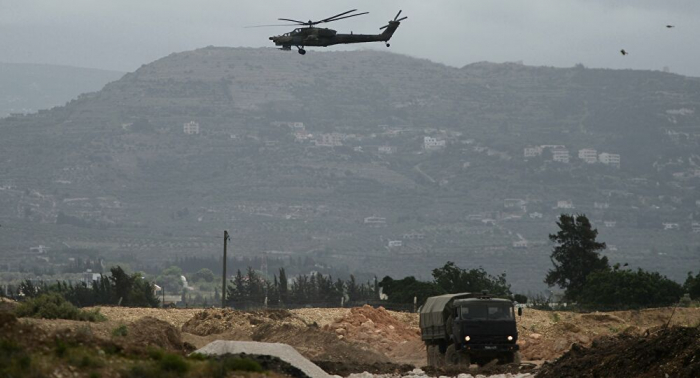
pixel 465 360
pixel 516 358
pixel 451 356
pixel 438 358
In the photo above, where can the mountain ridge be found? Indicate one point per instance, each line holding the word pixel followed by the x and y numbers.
pixel 311 189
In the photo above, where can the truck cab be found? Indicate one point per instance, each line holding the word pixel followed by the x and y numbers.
pixel 485 325
pixel 465 328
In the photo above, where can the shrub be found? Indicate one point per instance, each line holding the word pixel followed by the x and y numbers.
pixel 120 331
pixel 174 363
pixel 624 289
pixel 54 306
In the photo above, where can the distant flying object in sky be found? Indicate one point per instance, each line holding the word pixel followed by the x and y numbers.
pixel 623 52
pixel 670 26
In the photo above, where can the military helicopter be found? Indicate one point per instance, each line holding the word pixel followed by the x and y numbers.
pixel 313 36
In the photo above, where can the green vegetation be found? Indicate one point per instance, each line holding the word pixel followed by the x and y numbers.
pixel 623 289
pixel 692 286
pixel 54 306
pixel 575 256
pixel 592 284
pixel 120 331
pixel 448 279
pixel 120 288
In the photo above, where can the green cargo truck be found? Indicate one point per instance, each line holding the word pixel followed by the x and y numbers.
pixel 466 328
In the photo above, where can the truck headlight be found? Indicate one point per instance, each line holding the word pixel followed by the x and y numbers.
pixel 510 338
pixel 467 338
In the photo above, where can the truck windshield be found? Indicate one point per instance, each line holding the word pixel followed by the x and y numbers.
pixel 487 311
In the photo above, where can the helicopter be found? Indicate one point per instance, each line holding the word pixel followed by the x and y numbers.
pixel 310 35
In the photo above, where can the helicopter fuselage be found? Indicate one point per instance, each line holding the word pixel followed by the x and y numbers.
pixel 322 37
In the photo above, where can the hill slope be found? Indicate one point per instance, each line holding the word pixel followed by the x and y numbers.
pixel 26 88
pixel 116 171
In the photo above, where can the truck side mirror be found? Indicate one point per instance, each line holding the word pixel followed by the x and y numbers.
pixel 520 311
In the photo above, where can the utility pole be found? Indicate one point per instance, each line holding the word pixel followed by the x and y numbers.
pixel 223 284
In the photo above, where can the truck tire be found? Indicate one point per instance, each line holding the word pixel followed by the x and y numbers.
pixel 465 360
pixel 438 358
pixel 516 358
pixel 451 356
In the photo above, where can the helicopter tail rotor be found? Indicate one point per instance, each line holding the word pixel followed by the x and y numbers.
pixel 395 21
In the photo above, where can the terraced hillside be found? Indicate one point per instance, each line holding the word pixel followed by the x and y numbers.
pixel 326 155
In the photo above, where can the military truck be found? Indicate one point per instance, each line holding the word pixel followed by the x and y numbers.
pixel 461 329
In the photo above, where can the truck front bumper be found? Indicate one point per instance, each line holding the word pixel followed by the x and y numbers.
pixel 496 348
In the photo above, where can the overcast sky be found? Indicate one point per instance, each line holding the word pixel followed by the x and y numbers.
pixel 124 34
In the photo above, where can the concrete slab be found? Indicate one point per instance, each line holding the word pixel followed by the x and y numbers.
pixel 284 352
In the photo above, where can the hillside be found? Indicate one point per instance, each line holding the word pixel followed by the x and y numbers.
pixel 27 88
pixel 325 155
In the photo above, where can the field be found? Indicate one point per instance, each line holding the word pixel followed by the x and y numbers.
pixel 353 340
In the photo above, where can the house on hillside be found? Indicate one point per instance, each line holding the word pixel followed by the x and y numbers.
pixel 430 143
pixel 532 151
pixel 388 150
pixel 395 243
pixel 512 203
pixel 330 140
pixel 601 205
pixel 560 154
pixel 610 224
pixel 588 155
pixel 670 226
pixel 610 159
pixel 375 220
pixel 535 215
pixel 565 204
pixel 191 128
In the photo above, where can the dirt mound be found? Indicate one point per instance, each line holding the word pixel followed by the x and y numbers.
pixel 344 369
pixel 149 331
pixel 7 305
pixel 216 321
pixel 602 317
pixel 673 352
pixel 281 326
pixel 382 331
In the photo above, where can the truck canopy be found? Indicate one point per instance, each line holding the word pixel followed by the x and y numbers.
pixel 433 316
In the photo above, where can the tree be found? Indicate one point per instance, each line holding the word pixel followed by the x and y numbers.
pixel 576 255
pixel 623 289
pixel 453 279
pixel 403 290
pixel 692 285
pixel 203 274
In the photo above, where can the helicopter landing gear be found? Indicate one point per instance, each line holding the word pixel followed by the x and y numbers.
pixel 302 51
pixel 387 44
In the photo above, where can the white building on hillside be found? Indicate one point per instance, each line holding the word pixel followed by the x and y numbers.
pixel 566 204
pixel 386 150
pixel 430 143
pixel 532 151
pixel 560 154
pixel 610 159
pixel 191 128
pixel 330 140
pixel 588 155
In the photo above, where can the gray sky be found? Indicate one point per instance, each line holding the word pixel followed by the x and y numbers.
pixel 123 34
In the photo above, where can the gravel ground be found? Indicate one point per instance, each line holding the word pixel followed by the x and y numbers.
pixel 418 373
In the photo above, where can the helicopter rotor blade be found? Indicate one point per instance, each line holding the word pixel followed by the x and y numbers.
pixel 265 26
pixel 337 15
pixel 352 15
pixel 384 27
pixel 297 21
pixel 398 14
pixel 401 19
